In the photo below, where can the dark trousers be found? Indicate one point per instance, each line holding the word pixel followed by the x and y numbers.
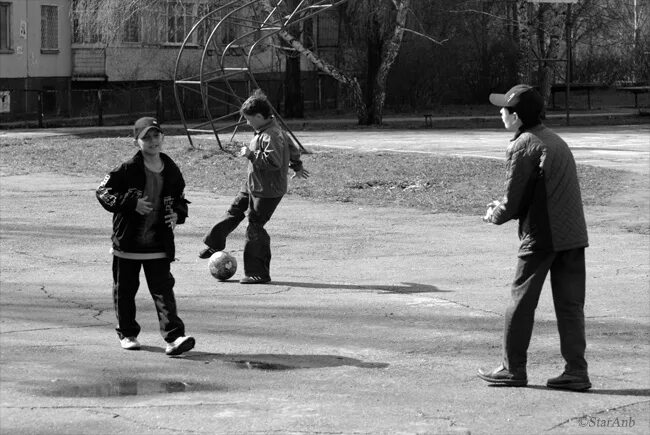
pixel 568 286
pixel 257 249
pixel 126 280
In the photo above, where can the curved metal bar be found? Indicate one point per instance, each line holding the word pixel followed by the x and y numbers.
pixel 188 37
pixel 224 73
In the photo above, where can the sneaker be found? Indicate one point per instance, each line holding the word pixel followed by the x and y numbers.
pixel 503 376
pixel 255 280
pixel 130 343
pixel 571 382
pixel 207 252
pixel 180 345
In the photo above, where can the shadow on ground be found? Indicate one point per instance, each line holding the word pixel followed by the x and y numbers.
pixel 404 288
pixel 276 362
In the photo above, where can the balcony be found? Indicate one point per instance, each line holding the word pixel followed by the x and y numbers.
pixel 88 64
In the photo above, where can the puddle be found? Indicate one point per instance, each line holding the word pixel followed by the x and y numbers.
pixel 261 365
pixel 129 388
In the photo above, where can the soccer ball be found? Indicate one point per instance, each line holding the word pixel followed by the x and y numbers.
pixel 222 265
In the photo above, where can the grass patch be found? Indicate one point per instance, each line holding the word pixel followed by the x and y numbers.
pixel 436 183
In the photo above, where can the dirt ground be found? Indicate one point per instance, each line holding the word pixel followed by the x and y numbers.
pixel 375 323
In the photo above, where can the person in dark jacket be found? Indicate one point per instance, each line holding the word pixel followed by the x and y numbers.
pixel 543 193
pixel 270 155
pixel 145 195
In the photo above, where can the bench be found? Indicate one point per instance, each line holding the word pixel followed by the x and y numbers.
pixel 636 90
pixel 575 87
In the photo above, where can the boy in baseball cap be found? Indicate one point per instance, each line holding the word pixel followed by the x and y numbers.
pixel 543 194
pixel 145 195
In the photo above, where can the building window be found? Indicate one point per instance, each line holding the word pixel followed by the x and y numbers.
pixel 5 26
pixel 204 30
pixel 327 30
pixel 49 28
pixel 83 29
pixel 179 21
pixel 132 28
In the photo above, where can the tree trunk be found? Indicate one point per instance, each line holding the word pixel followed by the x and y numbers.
pixel 524 28
pixel 389 54
pixel 294 103
pixel 551 22
pixel 350 82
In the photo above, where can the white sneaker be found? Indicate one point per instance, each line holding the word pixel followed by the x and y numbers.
pixel 180 345
pixel 130 343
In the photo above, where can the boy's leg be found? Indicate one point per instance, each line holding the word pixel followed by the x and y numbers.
pixel 126 280
pixel 568 284
pixel 161 286
pixel 520 314
pixel 257 250
pixel 216 237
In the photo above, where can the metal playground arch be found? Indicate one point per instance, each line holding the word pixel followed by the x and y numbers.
pixel 239 46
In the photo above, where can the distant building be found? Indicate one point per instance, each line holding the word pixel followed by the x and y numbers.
pixel 49 62
pixel 35 53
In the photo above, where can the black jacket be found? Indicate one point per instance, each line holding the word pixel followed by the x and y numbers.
pixel 123 186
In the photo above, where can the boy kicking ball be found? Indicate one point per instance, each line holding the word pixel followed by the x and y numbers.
pixel 145 195
pixel 270 155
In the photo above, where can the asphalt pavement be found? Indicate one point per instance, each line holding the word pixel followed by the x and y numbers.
pixel 375 323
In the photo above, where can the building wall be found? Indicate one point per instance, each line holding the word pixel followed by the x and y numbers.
pixel 28 59
pixel 33 77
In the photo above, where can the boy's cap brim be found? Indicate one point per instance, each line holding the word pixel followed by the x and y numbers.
pixel 522 97
pixel 145 130
pixel 143 125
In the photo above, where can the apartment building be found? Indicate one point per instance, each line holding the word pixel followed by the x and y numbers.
pixel 35 53
pixel 51 63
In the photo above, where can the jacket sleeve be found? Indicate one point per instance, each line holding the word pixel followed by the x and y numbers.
pixel 114 195
pixel 294 155
pixel 521 166
pixel 268 154
pixel 180 203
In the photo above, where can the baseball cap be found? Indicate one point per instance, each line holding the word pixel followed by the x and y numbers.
pixel 143 125
pixel 520 97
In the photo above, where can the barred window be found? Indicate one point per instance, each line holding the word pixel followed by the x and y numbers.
pixel 132 28
pixel 49 27
pixel 327 30
pixel 83 29
pixel 204 30
pixel 5 26
pixel 179 20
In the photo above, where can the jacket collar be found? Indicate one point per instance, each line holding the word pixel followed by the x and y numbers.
pixel 523 129
pixel 266 126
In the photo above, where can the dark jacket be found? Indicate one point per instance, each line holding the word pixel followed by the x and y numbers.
pixel 543 192
pixel 273 153
pixel 123 186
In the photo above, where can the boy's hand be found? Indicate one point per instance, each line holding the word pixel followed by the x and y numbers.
pixel 490 210
pixel 171 220
pixel 245 151
pixel 143 206
pixel 301 173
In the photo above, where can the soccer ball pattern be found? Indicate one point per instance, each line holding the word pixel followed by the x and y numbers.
pixel 222 265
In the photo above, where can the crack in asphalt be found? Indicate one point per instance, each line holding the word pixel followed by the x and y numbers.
pixel 95 316
pixel 53 328
pixel 591 414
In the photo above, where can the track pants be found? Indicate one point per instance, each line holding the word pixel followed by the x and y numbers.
pixel 126 280
pixel 257 248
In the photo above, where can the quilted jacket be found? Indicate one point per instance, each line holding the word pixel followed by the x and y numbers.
pixel 543 193
pixel 273 153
